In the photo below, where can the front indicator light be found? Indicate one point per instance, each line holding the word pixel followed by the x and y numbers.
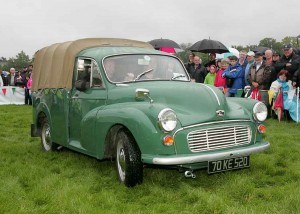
pixel 262 128
pixel 168 140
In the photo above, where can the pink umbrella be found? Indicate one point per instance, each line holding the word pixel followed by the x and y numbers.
pixel 168 50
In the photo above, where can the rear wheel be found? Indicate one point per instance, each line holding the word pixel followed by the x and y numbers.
pixel 46 140
pixel 128 159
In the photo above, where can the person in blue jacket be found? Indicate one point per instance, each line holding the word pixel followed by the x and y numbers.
pixel 234 76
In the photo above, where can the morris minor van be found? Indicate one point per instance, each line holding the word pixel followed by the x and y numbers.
pixel 120 99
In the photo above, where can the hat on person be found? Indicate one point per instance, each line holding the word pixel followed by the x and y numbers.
pixel 287 46
pixel 250 53
pixel 258 54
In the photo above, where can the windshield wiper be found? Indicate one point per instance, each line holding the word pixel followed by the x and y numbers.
pixel 142 74
pixel 180 75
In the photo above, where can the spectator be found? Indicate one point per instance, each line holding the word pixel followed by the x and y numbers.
pixel 289 100
pixel 269 61
pixel 289 61
pixel 268 57
pixel 259 77
pixel 190 62
pixel 28 87
pixel 27 73
pixel 197 72
pixel 1 79
pixel 234 76
pixel 19 80
pixel 280 83
pixel 242 58
pixel 211 76
pixel 219 64
pixel 212 61
pixel 220 81
pixel 11 77
pixel 276 57
pixel 250 59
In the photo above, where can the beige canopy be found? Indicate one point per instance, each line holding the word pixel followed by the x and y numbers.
pixel 53 65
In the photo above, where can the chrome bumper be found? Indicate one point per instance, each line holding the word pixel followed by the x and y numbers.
pixel 214 155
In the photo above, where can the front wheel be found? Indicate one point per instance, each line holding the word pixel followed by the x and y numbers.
pixel 46 140
pixel 128 159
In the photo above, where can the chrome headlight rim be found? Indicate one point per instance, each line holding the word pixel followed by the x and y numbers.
pixel 260 112
pixel 167 120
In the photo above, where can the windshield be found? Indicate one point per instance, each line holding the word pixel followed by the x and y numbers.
pixel 132 68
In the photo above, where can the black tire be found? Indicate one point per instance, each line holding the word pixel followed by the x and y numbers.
pixel 46 140
pixel 128 159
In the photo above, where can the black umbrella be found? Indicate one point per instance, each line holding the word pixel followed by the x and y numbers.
pixel 260 49
pixel 164 43
pixel 209 46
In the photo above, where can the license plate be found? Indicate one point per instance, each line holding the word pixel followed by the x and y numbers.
pixel 228 164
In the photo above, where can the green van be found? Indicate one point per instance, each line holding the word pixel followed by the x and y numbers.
pixel 120 99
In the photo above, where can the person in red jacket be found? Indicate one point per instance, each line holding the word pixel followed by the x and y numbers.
pixel 221 81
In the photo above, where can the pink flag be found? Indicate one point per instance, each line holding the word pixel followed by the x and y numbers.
pixel 4 91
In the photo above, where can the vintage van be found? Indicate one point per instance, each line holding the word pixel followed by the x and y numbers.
pixel 121 99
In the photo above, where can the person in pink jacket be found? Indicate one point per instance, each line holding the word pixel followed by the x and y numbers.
pixel 220 81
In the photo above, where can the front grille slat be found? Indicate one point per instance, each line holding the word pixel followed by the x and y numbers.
pixel 219 137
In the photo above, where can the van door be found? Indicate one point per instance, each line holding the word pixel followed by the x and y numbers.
pixel 88 94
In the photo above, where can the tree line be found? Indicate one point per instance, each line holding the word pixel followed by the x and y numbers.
pixel 21 60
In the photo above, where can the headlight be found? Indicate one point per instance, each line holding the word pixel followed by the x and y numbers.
pixel 167 119
pixel 260 111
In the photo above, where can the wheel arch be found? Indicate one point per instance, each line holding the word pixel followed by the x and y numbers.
pixel 110 140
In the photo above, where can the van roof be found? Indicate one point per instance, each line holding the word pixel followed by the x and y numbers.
pixel 54 64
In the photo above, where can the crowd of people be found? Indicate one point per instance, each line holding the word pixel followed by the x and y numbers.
pixel 22 79
pixel 261 76
pixel 258 75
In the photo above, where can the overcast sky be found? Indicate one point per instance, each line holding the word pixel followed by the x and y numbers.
pixel 29 25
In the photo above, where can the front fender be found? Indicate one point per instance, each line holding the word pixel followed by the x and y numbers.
pixel 140 120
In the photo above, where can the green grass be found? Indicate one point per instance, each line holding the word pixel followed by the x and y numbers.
pixel 32 181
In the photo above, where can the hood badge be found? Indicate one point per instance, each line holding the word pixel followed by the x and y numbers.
pixel 220 113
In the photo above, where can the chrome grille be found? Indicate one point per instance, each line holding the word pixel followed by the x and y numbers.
pixel 218 137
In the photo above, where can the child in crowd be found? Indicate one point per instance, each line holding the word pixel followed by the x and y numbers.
pixel 234 76
pixel 221 81
pixel 288 94
pixel 211 76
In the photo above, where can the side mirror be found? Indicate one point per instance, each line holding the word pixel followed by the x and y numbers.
pixel 142 94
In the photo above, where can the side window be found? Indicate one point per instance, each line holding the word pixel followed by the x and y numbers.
pixel 84 71
pixel 96 77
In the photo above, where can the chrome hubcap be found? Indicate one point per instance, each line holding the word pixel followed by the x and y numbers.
pixel 46 135
pixel 121 161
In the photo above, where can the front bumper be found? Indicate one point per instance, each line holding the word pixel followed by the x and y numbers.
pixel 207 156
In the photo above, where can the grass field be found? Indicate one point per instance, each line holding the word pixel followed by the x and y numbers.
pixel 32 181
